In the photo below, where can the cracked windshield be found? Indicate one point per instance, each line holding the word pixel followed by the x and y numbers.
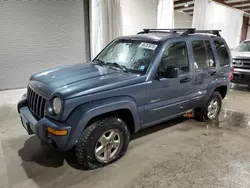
pixel 133 56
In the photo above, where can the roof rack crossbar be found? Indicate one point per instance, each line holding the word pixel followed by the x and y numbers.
pixel 185 31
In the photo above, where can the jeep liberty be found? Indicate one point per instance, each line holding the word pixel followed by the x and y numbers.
pixel 133 83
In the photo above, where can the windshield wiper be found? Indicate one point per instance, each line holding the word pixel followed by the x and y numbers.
pixel 122 67
pixel 116 65
pixel 100 62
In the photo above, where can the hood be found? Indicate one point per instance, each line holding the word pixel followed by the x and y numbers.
pixel 80 79
pixel 243 55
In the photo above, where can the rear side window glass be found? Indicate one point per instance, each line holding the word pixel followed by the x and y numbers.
pixel 222 52
pixel 203 54
pixel 210 55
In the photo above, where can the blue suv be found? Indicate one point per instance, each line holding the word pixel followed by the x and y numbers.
pixel 135 82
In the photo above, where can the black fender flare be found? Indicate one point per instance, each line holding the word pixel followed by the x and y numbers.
pixel 82 114
pixel 214 85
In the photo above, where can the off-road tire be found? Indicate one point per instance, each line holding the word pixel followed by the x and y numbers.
pixel 201 113
pixel 84 149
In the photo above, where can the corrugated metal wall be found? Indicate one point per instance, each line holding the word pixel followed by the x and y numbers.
pixel 38 35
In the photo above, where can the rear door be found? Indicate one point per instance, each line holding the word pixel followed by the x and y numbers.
pixel 205 70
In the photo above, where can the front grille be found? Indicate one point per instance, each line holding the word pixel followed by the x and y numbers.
pixel 247 63
pixel 36 102
pixel 239 59
pixel 241 63
pixel 241 67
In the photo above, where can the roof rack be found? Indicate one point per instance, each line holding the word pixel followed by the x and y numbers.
pixel 167 30
pixel 213 32
pixel 185 31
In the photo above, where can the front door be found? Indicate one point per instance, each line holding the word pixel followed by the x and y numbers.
pixel 166 96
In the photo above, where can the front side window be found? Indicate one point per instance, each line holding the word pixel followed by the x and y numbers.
pixel 203 54
pixel 135 56
pixel 175 55
pixel 222 53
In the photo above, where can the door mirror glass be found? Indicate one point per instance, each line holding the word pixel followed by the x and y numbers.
pixel 171 72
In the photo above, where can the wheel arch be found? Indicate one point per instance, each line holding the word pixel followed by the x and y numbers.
pixel 219 85
pixel 124 114
pixel 122 107
pixel 222 90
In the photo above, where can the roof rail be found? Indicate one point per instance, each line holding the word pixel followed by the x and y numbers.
pixel 213 32
pixel 185 31
pixel 167 30
pixel 189 31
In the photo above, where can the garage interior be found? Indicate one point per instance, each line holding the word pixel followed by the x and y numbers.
pixel 39 35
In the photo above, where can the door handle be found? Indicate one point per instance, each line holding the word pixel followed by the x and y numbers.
pixel 185 80
pixel 212 73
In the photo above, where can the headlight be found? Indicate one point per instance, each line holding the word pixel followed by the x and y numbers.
pixel 57 105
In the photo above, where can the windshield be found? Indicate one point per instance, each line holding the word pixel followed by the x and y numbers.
pixel 133 56
pixel 243 47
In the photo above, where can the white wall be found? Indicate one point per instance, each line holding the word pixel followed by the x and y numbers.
pixel 138 15
pixel 182 20
pixel 165 14
pixel 105 23
pixel 212 15
pixel 248 33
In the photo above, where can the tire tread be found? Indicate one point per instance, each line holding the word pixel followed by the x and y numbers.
pixel 83 141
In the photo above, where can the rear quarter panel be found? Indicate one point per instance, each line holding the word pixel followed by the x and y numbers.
pixel 223 72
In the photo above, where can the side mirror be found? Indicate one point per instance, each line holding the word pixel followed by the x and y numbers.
pixel 171 72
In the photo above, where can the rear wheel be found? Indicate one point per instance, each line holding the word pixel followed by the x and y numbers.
pixel 211 110
pixel 102 143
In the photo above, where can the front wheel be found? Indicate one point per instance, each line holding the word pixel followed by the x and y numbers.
pixel 103 142
pixel 211 110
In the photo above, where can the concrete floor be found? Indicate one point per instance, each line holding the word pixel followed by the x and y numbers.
pixel 179 153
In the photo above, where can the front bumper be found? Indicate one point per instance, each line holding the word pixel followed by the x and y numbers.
pixel 241 76
pixel 39 127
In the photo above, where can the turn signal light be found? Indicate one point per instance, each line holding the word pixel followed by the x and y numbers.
pixel 57 132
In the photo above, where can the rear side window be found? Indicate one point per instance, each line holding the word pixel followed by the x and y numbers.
pixel 222 52
pixel 203 54
pixel 210 56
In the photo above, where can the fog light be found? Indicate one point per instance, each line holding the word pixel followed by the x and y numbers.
pixel 57 132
